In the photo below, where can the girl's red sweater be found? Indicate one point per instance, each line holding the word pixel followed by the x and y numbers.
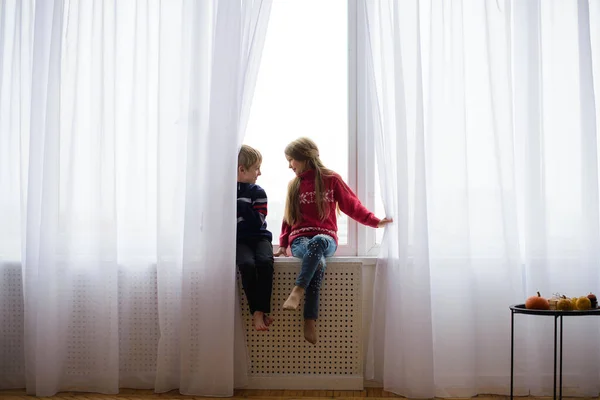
pixel 336 191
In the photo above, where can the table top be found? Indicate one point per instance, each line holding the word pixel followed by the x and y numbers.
pixel 520 309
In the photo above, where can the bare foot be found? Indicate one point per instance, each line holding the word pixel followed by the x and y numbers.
pixel 268 320
pixel 310 331
pixel 293 301
pixel 258 320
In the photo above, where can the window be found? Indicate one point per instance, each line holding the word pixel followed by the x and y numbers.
pixel 303 89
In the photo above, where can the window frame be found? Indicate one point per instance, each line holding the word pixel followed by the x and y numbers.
pixel 361 160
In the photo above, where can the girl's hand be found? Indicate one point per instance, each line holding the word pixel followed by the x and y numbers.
pixel 384 222
pixel 280 252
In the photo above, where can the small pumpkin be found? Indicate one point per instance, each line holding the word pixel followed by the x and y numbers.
pixel 537 303
pixel 564 304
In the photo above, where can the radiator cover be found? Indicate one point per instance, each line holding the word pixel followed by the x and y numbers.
pixel 282 359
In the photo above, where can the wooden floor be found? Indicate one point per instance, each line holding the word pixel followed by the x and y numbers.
pixel 127 394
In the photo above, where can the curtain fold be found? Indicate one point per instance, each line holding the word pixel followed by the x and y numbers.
pixel 485 120
pixel 402 307
pixel 119 147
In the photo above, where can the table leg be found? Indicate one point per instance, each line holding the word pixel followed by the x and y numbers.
pixel 561 358
pixel 555 351
pixel 512 350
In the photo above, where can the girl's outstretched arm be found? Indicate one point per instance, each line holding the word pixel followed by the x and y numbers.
pixel 350 204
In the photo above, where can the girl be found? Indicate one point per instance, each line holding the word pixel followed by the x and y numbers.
pixel 309 229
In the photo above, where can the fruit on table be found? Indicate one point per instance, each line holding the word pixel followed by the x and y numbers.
pixel 583 303
pixel 537 303
pixel 564 305
pixel 593 300
pixel 574 303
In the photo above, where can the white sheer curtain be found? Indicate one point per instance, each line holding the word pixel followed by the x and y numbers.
pixel 120 124
pixel 485 118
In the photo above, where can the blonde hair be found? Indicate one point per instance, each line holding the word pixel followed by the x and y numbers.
pixel 248 156
pixel 304 149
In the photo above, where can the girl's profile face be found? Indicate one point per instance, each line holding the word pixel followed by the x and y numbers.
pixel 297 166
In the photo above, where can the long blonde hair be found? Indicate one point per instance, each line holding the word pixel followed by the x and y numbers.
pixel 304 149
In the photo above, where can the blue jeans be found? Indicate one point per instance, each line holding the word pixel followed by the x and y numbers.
pixel 312 251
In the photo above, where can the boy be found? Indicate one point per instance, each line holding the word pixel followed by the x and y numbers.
pixel 254 251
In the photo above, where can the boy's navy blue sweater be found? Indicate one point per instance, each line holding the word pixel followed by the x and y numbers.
pixel 251 211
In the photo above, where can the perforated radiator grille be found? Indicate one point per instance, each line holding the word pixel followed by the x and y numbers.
pixel 283 350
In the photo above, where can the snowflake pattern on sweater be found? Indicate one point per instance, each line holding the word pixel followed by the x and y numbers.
pixel 311 197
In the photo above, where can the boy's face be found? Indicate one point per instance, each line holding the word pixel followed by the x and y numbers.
pixel 249 175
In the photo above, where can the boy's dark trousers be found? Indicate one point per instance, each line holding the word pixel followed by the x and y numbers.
pixel 254 259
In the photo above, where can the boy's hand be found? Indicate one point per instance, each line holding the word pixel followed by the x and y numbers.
pixel 384 222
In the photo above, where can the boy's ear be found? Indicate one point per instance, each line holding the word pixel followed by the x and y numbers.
pixel 240 169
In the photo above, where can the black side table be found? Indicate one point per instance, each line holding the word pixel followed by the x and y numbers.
pixel 558 315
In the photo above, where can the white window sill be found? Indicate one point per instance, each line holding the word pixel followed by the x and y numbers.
pixel 367 261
